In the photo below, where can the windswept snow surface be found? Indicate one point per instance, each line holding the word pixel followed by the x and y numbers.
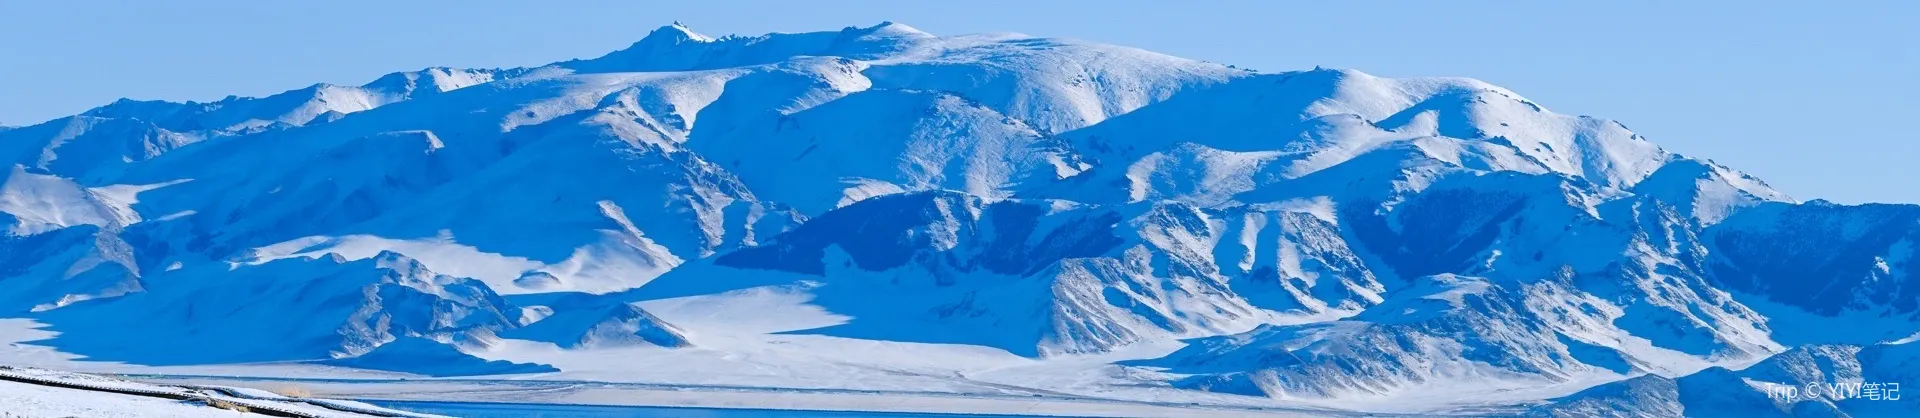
pixel 986 216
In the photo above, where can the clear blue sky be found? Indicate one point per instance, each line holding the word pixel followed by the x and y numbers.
pixel 1821 100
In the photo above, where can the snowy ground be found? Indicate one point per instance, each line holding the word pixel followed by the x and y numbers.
pixel 591 393
pixel 644 376
pixel 756 366
pixel 27 392
pixel 28 400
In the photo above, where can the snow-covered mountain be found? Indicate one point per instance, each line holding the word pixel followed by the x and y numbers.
pixel 1176 229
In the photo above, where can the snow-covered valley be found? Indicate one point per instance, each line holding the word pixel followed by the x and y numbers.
pixel 878 218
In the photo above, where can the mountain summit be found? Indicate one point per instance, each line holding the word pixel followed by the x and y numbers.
pixel 977 214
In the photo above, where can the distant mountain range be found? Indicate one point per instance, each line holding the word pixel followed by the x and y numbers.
pixel 1322 237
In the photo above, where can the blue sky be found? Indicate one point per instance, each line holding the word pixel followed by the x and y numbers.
pixel 1820 100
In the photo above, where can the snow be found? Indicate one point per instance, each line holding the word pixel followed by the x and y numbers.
pixel 39 203
pixel 319 102
pixel 883 217
pixel 43 401
pixel 31 392
pixel 440 253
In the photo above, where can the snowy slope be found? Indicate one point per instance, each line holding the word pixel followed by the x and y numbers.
pixel 992 213
pixel 87 148
pixel 345 309
pixel 1845 267
pixel 65 266
pixel 1442 328
pixel 1814 380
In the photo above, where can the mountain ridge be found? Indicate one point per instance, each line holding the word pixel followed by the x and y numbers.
pixel 1322 237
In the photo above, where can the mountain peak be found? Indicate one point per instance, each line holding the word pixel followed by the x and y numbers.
pixel 891 29
pixel 676 33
